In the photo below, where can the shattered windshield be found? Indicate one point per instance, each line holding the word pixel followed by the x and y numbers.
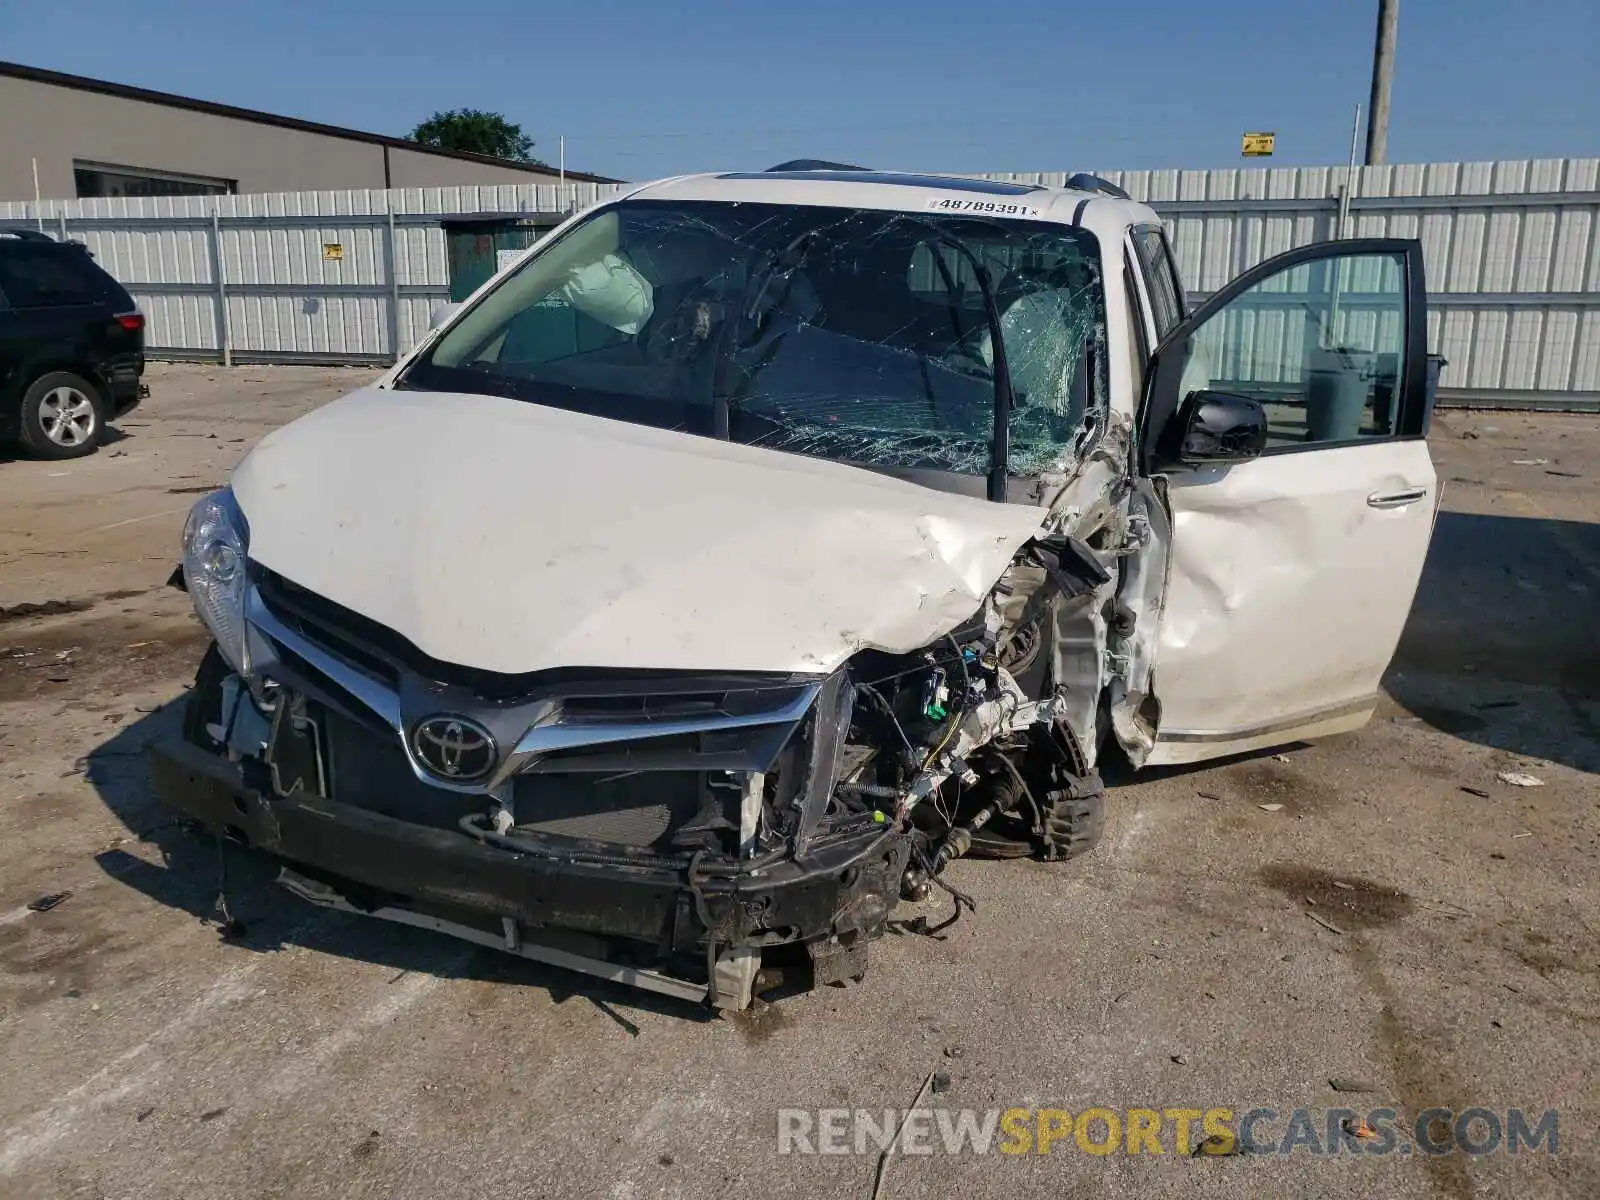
pixel 852 334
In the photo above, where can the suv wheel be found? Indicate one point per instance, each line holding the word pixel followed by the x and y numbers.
pixel 63 416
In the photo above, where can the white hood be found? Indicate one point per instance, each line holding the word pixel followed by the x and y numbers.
pixel 513 537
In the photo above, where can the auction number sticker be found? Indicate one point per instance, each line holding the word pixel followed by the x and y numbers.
pixel 983 208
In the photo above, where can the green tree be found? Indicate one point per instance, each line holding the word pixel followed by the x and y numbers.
pixel 475 132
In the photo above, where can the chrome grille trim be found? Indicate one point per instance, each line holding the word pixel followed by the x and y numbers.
pixel 553 735
pixel 378 696
pixel 549 730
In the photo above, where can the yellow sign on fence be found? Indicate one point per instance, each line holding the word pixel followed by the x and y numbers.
pixel 333 250
pixel 1257 145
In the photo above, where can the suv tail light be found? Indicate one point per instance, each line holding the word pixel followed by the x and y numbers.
pixel 131 321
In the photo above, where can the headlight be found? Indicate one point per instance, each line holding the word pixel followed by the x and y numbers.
pixel 215 541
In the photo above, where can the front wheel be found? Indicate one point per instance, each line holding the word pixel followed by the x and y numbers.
pixel 1070 800
pixel 63 416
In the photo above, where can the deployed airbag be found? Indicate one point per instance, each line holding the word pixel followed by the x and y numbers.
pixel 612 292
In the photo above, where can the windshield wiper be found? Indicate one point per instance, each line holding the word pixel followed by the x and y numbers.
pixel 1000 453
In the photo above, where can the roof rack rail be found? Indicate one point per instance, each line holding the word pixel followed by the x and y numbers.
pixel 26 234
pixel 1085 182
pixel 814 164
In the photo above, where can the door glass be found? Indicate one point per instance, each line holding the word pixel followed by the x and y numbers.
pixel 1320 345
pixel 1161 280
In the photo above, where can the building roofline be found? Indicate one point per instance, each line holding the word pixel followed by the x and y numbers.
pixel 125 91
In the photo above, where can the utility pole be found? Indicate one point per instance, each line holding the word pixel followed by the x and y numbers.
pixel 1382 79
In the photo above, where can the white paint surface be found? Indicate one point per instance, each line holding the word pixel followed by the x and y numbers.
pixel 514 537
pixel 1287 592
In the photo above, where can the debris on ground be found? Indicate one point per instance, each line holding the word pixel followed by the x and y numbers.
pixel 1218 1145
pixel 1450 910
pixel 1529 462
pixel 46 903
pixel 1358 1127
pixel 894 1142
pixel 1270 807
pixel 1208 796
pixel 1474 791
pixel 1326 924
pixel 941 1082
pixel 1519 779
pixel 1179 1059
pixel 1344 1083
pixel 1566 474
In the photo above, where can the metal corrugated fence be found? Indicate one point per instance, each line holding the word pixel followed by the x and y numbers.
pixel 1512 252
pixel 1511 248
pixel 247 278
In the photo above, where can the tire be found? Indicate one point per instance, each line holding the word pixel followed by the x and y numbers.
pixel 63 416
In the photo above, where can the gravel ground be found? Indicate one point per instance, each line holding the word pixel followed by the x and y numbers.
pixel 1187 963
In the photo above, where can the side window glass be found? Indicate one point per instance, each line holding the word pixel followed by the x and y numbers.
pixel 1167 269
pixel 1161 280
pixel 559 326
pixel 1321 346
pixel 583 296
pixel 44 278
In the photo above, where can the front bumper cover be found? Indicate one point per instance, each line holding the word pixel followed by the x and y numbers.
pixel 833 902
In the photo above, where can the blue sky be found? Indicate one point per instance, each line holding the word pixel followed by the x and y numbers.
pixel 642 90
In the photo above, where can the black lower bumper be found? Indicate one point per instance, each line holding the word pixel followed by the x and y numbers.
pixel 845 892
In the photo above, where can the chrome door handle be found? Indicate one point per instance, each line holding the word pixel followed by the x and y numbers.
pixel 1396 499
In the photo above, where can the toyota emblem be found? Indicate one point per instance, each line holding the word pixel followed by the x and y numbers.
pixel 453 748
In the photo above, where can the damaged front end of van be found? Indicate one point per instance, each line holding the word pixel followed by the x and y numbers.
pixel 672 653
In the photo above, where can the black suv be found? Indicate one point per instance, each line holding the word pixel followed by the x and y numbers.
pixel 71 346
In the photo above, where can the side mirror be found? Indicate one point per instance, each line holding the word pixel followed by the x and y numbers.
pixel 441 314
pixel 1214 428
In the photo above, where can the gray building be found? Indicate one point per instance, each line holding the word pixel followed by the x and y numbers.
pixel 92 138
